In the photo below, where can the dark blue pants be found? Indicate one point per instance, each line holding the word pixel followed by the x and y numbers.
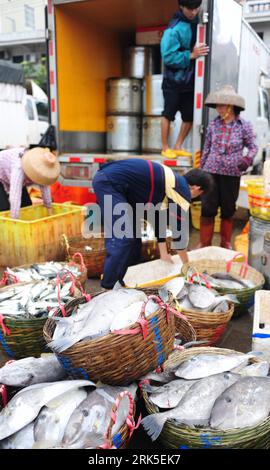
pixel 121 252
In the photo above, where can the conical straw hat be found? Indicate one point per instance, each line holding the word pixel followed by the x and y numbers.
pixel 226 95
pixel 41 166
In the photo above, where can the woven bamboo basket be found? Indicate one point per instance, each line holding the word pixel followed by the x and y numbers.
pixel 183 328
pixel 245 296
pixel 117 359
pixel 121 439
pixel 20 338
pixel 81 278
pixel 209 326
pixel 181 436
pixel 196 209
pixel 93 252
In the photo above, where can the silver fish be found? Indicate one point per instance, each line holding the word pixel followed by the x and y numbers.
pixel 169 395
pixel 256 369
pixel 201 297
pixel 244 404
pixel 88 424
pixel 195 407
pixel 94 318
pixel 32 370
pixel 205 364
pixel 175 286
pixel 23 439
pixel 52 420
pixel 23 408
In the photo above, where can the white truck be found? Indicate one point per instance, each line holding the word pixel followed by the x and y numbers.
pixel 86 40
pixel 23 118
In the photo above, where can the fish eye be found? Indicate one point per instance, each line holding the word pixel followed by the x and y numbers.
pixel 85 413
pixel 228 399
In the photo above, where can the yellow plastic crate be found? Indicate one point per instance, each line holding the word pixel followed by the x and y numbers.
pixel 35 237
pixel 196 208
pixel 259 203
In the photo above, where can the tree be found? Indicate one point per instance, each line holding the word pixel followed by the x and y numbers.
pixel 36 72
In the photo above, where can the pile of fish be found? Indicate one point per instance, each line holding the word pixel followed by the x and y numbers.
pixel 107 312
pixel 71 414
pixel 189 296
pixel 221 280
pixel 38 272
pixel 36 299
pixel 217 391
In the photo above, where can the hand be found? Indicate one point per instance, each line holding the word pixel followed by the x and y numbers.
pixel 243 164
pixel 199 51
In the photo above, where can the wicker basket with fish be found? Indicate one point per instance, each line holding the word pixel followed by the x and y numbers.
pixel 183 328
pixel 227 277
pixel 116 338
pixel 69 414
pixel 47 270
pixel 219 398
pixel 205 310
pixel 24 309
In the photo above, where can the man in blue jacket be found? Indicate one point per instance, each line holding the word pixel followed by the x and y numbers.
pixel 179 53
pixel 126 191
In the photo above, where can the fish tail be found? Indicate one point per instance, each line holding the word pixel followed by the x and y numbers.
pixel 61 344
pixel 153 424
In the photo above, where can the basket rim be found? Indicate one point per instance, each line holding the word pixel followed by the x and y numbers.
pixel 219 315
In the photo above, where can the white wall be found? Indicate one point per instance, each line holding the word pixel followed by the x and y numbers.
pixel 21 15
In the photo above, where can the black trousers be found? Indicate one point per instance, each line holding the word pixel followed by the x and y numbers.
pixel 4 199
pixel 224 195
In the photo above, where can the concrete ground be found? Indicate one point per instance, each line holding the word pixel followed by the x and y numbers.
pixel 237 335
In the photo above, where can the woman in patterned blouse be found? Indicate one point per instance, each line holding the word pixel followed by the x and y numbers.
pixel 228 151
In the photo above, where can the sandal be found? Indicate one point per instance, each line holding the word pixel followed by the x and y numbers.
pixel 169 153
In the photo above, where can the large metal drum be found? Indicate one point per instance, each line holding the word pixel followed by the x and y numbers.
pixel 153 102
pixel 258 228
pixel 266 260
pixel 124 96
pixel 123 133
pixel 141 61
pixel 151 134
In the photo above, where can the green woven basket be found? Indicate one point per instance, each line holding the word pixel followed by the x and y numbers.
pixel 180 436
pixel 25 338
pixel 244 296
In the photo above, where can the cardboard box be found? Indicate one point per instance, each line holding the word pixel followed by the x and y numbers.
pixel 149 36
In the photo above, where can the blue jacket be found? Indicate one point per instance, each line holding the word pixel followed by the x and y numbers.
pixel 141 182
pixel 176 45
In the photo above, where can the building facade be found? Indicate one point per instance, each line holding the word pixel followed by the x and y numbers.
pixel 257 13
pixel 22 30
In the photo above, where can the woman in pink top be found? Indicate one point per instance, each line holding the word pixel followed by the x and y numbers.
pixel 19 169
pixel 229 149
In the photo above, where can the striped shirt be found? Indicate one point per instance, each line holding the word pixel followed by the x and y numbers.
pixel 223 151
pixel 14 179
